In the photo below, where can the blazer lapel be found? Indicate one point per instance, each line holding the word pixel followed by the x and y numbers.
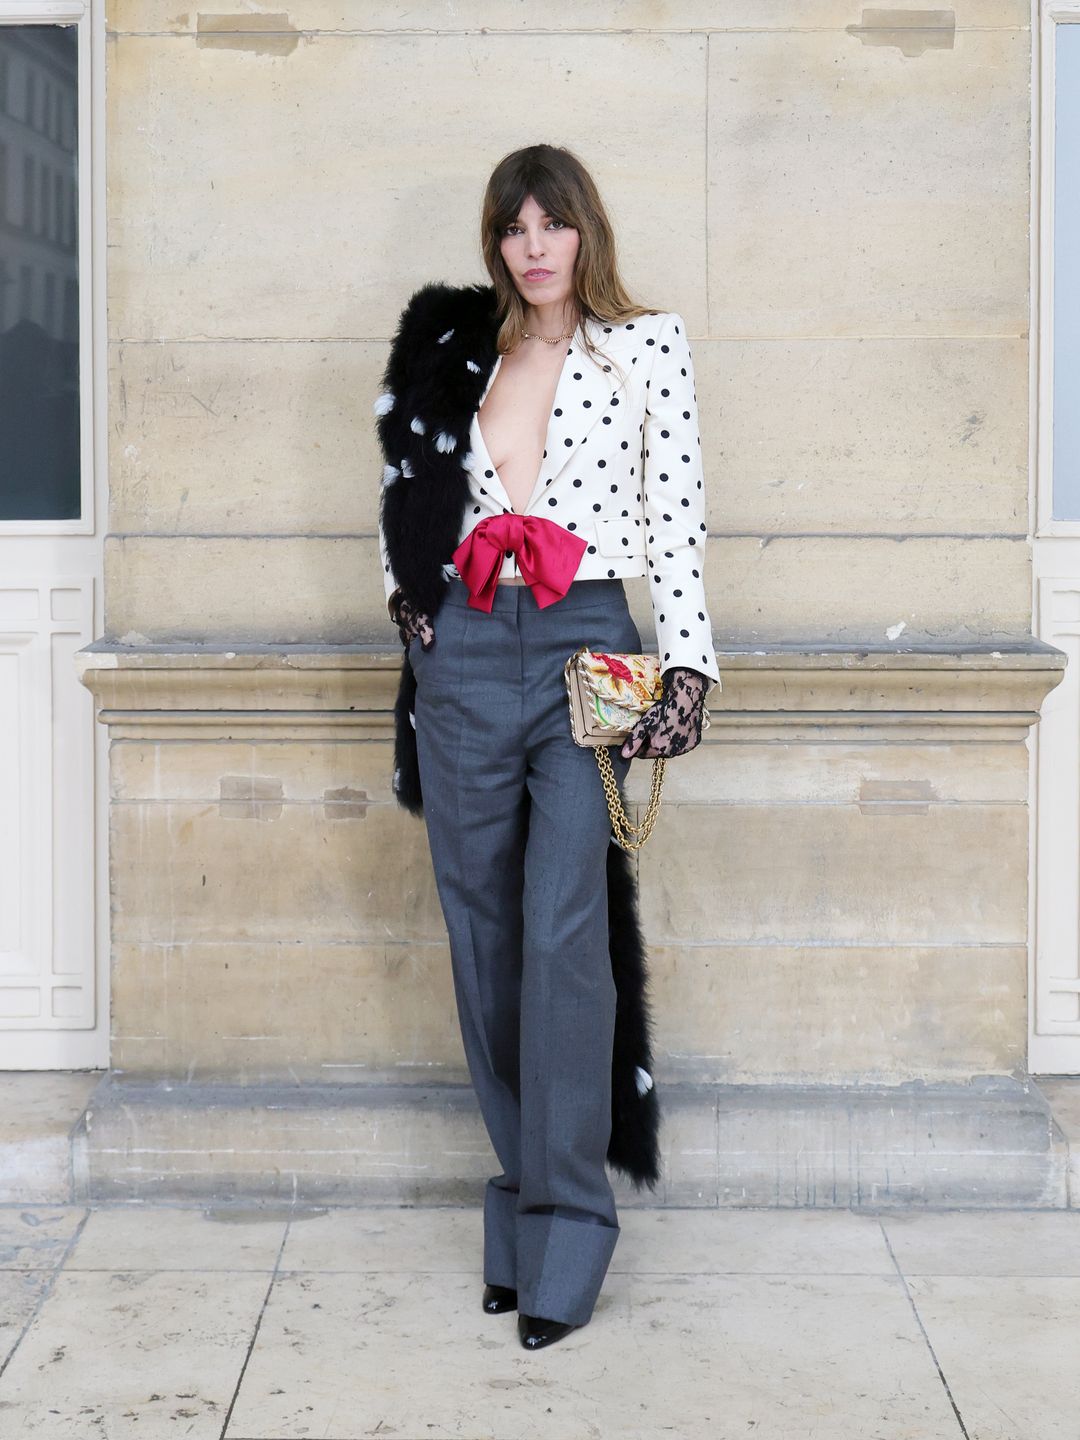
pixel 582 397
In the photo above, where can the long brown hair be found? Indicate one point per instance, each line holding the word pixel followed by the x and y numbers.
pixel 563 188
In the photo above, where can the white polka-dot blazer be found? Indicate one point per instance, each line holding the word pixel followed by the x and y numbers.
pixel 622 468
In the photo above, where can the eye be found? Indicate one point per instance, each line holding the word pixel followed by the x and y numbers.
pixel 506 230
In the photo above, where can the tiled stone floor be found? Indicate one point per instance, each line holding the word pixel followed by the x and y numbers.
pixel 261 1324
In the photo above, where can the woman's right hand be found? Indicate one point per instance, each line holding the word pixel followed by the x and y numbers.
pixel 412 622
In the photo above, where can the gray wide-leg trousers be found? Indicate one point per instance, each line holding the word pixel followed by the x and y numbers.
pixel 518 828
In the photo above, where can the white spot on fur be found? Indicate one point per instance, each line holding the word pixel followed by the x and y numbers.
pixel 385 403
pixel 443 338
pixel 406 468
pixel 472 365
pixel 467 460
pixel 445 442
pixel 417 426
pixel 412 718
pixel 642 1079
pixel 389 474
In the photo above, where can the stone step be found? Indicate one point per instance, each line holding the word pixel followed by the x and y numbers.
pixel 39 1115
pixel 998 1142
pixel 993 1143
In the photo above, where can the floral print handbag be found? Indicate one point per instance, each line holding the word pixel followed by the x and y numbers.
pixel 607 694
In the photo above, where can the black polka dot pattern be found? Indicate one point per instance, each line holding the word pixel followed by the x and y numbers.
pixel 674 500
pixel 622 468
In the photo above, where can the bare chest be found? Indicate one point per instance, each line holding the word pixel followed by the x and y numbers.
pixel 515 415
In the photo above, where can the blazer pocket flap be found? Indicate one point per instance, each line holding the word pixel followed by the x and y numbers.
pixel 619 535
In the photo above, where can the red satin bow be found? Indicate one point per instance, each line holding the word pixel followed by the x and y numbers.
pixel 547 554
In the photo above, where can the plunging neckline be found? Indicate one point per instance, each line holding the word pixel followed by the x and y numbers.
pixel 547 436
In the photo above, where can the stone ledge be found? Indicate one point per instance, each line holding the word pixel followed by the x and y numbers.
pixel 993 1143
pixel 788 692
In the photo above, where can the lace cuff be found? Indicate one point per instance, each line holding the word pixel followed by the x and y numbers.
pixel 673 725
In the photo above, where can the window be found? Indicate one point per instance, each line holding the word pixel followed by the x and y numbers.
pixel 40 477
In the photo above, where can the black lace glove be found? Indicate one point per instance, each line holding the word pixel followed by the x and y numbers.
pixel 410 621
pixel 673 724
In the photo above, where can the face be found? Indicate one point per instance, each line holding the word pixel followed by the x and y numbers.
pixel 539 252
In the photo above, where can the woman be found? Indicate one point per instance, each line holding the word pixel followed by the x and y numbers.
pixel 541 444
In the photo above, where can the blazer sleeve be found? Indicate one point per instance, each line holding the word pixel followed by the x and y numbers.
pixel 674 500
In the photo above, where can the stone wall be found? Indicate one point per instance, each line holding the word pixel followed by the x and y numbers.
pixel 838 206
pixel 839 212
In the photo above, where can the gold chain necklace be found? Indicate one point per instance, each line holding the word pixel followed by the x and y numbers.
pixel 552 340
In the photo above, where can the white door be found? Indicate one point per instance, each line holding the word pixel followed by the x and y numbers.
pixel 53 991
pixel 1054 1039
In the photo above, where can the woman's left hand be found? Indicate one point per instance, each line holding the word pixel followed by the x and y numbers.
pixel 673 724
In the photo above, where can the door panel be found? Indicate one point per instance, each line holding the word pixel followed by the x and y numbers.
pixel 53 993
pixel 46 801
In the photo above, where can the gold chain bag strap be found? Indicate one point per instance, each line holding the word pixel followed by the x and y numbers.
pixel 608 693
